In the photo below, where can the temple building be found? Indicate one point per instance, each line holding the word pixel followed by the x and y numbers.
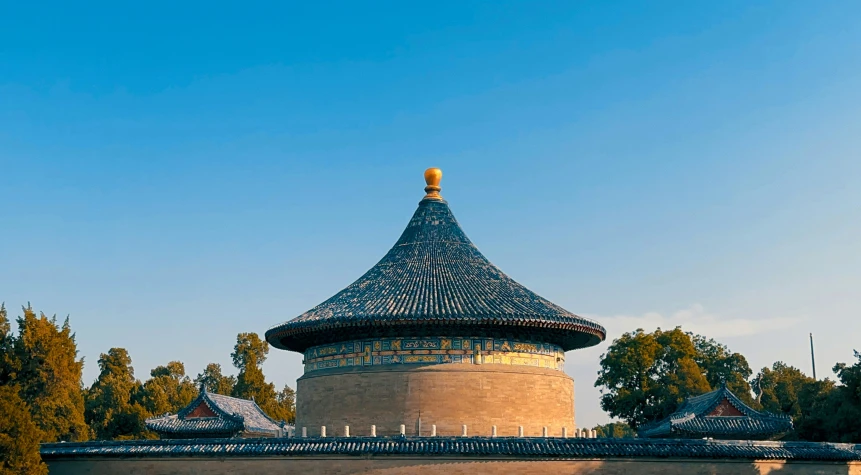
pixel 719 415
pixel 435 336
pixel 436 343
pixel 215 416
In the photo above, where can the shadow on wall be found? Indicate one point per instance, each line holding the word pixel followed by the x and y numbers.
pixel 616 467
pixel 443 466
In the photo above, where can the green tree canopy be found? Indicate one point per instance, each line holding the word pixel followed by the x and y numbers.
pixel 48 372
pixel 19 436
pixel 777 389
pixel 111 407
pixel 721 366
pixel 614 430
pixel 168 391
pixel 645 376
pixel 832 412
pixel 215 382
pixel 818 406
pixel 847 417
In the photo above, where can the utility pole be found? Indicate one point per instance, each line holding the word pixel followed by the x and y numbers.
pixel 812 358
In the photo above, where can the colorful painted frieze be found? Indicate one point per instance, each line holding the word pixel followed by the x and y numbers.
pixel 434 350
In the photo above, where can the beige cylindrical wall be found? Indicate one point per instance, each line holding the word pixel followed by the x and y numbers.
pixel 445 395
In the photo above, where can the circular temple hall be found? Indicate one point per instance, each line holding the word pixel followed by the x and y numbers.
pixel 435 336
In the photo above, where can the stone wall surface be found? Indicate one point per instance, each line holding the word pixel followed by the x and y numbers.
pixel 441 466
pixel 447 395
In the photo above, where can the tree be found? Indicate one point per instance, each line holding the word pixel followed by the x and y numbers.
pixel 831 412
pixel 19 436
pixel 614 430
pixel 111 408
pixel 215 382
pixel 817 402
pixel 249 353
pixel 168 391
pixel 48 372
pixel 286 400
pixel 7 367
pixel 250 350
pixel 777 389
pixel 645 376
pixel 847 418
pixel 721 366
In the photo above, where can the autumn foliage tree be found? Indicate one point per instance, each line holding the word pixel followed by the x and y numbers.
pixel 6 362
pixel 19 436
pixel 248 356
pixel 168 390
pixel 214 381
pixel 43 399
pixel 48 372
pixel 112 407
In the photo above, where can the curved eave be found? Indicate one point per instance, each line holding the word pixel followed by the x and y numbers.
pixel 568 333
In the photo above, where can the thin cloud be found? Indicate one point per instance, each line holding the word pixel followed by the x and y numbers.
pixel 693 319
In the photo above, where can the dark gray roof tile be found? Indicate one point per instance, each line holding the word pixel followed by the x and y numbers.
pixel 434 277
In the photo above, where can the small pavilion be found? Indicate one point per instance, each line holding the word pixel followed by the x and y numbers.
pixel 719 414
pixel 213 415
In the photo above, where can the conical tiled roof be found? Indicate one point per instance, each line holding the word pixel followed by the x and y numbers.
pixel 434 281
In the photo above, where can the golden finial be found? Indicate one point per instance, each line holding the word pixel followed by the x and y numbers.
pixel 432 178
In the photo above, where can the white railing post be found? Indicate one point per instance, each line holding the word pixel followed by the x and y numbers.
pixel 464 431
pixel 403 429
pixel 493 431
pixel 564 432
pixel 519 431
pixel 373 430
pixel 304 432
pixel 433 430
pixel 544 432
pixel 346 431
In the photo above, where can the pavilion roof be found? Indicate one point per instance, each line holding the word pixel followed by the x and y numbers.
pixel 226 417
pixel 719 414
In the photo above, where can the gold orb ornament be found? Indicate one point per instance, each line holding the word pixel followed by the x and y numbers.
pixel 432 178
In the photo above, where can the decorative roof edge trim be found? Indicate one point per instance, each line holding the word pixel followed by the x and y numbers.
pixel 275 334
pixel 203 396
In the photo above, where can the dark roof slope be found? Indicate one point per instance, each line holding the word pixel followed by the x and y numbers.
pixel 435 277
pixel 535 448
pixel 232 416
pixel 693 419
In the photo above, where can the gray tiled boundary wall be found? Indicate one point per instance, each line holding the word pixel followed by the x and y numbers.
pixel 452 455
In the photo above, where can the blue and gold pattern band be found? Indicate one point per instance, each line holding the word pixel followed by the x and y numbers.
pixel 433 350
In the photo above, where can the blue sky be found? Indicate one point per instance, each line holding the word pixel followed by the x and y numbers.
pixel 172 175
